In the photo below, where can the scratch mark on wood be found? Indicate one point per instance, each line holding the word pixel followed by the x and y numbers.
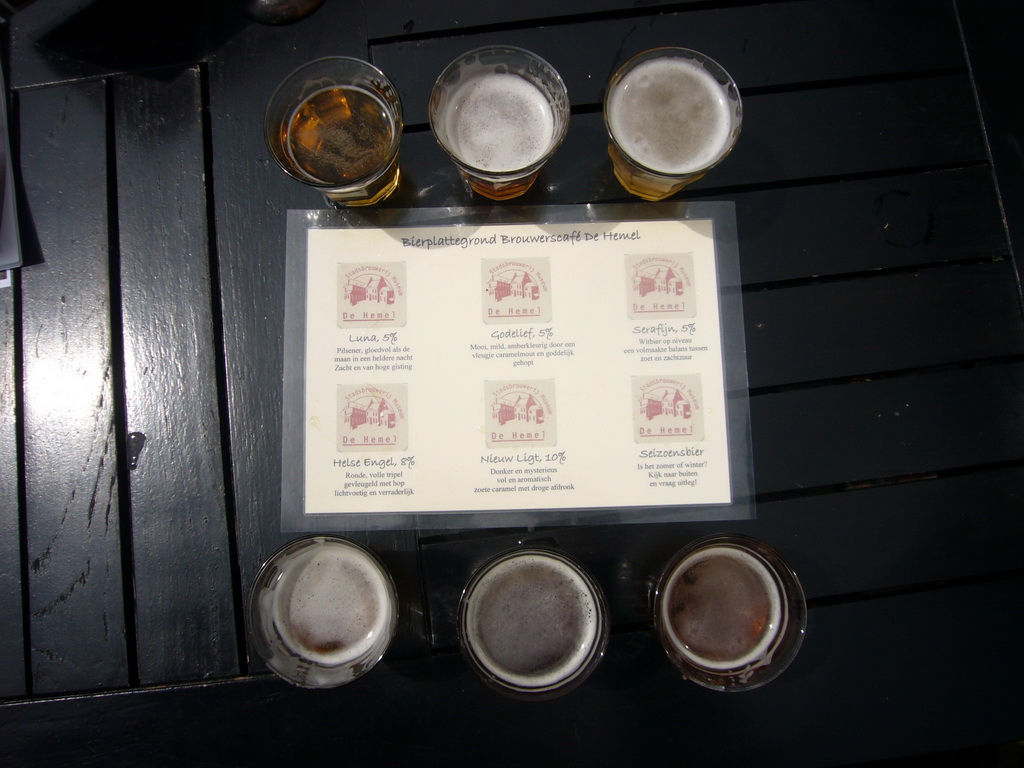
pixel 64 596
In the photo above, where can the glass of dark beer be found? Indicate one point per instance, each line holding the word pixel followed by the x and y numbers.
pixel 730 612
pixel 499 112
pixel 322 611
pixel 533 624
pixel 336 124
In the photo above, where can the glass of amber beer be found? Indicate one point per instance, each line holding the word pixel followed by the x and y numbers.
pixel 336 124
pixel 730 612
pixel 322 611
pixel 533 624
pixel 672 114
pixel 499 112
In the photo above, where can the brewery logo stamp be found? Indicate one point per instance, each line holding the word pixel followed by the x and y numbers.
pixel 371 294
pixel 519 413
pixel 516 290
pixel 667 408
pixel 372 417
pixel 660 285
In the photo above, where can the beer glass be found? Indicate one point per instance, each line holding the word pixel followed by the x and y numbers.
pixel 533 624
pixel 499 112
pixel 671 114
pixel 322 611
pixel 335 124
pixel 730 612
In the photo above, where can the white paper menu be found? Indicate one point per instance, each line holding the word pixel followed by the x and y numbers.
pixel 513 366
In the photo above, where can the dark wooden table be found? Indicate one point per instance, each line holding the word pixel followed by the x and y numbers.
pixel 879 190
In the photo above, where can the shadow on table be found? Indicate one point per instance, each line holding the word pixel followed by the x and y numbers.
pixel 123 35
pixel 991 756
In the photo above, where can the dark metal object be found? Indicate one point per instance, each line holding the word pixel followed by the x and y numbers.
pixel 279 11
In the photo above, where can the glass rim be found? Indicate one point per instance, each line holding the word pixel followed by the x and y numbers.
pixel 516 173
pixel 587 665
pixel 777 654
pixel 395 111
pixel 669 51
pixel 253 619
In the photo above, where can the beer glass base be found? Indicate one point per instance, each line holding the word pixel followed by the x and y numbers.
pixel 498 190
pixel 643 185
pixel 368 195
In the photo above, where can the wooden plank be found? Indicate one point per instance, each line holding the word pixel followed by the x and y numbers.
pixel 822 134
pixel 888 656
pixel 998 73
pixel 71 483
pixel 824 537
pixel 888 21
pixel 12 640
pixel 180 539
pixel 888 428
pixel 906 123
pixel 417 17
pixel 888 222
pixel 773 44
pixel 251 196
pixel 897 322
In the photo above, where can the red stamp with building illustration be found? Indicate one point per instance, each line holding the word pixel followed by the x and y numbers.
pixel 371 294
pixel 520 414
pixel 660 285
pixel 667 408
pixel 372 417
pixel 516 290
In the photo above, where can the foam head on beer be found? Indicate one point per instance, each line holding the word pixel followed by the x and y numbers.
pixel 327 611
pixel 730 612
pixel 670 115
pixel 722 608
pixel 499 112
pixel 533 622
pixel 498 122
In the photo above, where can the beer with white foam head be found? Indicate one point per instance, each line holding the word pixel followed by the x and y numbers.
pixel 671 115
pixel 499 112
pixel 322 611
pixel 533 624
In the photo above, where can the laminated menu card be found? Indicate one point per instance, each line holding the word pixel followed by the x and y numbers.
pixel 513 366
